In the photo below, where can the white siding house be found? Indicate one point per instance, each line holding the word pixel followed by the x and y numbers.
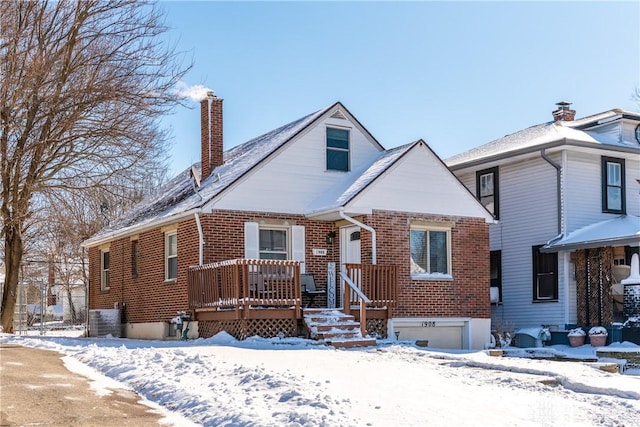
pixel 555 188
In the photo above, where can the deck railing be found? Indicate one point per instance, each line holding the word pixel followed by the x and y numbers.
pixel 243 283
pixel 378 282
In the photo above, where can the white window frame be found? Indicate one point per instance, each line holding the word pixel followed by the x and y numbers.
pixel 167 255
pixel 287 241
pixel 295 241
pixel 104 272
pixel 429 275
pixel 338 149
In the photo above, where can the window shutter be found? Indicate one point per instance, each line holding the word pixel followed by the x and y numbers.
pixel 251 240
pixel 297 245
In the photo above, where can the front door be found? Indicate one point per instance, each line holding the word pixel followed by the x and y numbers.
pixel 349 250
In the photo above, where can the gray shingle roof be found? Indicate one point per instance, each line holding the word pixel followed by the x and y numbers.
pixel 535 137
pixel 178 196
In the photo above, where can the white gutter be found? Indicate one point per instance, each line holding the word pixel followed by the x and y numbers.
pixel 200 239
pixel 128 231
pixel 366 227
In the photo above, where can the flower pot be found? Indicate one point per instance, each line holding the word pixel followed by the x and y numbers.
pixel 598 340
pixel 576 340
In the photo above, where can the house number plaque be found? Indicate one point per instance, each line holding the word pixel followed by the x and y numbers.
pixel 429 324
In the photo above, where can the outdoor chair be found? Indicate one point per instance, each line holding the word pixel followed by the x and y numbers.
pixel 309 289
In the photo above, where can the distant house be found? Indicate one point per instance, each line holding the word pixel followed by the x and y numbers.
pixel 565 194
pixel 70 301
pixel 238 240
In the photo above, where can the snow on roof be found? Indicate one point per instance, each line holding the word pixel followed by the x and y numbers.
pixel 532 137
pixel 178 195
pixel 544 134
pixel 621 230
pixel 356 181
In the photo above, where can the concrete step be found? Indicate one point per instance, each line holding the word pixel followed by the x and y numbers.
pixel 334 328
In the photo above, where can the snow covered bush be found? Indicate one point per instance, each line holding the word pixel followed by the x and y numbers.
pixel 576 332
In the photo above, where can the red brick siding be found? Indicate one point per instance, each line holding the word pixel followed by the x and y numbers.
pixel 467 295
pixel 148 298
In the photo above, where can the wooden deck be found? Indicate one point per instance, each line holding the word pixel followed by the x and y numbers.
pixel 269 293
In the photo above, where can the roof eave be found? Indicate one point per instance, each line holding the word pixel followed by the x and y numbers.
pixel 618 241
pixel 536 148
pixel 129 231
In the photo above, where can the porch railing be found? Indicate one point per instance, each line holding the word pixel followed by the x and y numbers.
pixel 378 282
pixel 369 285
pixel 243 283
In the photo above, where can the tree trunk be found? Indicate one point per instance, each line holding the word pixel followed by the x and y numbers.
pixel 14 249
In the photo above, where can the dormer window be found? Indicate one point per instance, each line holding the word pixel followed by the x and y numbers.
pixel 613 188
pixel 337 149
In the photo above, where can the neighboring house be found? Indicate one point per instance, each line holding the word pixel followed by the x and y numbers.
pixel 69 301
pixel 565 194
pixel 317 196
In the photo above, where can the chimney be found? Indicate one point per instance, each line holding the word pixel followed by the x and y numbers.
pixel 211 134
pixel 564 113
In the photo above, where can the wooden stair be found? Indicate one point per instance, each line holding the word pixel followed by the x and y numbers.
pixel 335 328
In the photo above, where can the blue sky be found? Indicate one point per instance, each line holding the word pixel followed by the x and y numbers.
pixel 456 74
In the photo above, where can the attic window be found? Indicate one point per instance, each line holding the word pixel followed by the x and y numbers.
pixel 337 149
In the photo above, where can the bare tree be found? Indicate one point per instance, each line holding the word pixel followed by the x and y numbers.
pixel 82 86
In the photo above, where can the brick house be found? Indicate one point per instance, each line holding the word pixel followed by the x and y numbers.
pixel 391 230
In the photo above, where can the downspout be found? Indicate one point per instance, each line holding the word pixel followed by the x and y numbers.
pixel 559 215
pixel 366 227
pixel 558 186
pixel 200 239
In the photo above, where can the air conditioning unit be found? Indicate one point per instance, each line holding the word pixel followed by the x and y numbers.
pixel 104 322
pixel 494 294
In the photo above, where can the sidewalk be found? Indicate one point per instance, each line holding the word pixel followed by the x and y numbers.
pixel 36 389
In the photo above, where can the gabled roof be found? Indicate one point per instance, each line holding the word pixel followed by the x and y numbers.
pixel 356 181
pixel 619 231
pixel 178 198
pixel 544 135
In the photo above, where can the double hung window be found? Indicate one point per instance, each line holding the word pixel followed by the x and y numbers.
pixel 273 244
pixel 613 185
pixel 545 275
pixel 104 269
pixel 171 256
pixel 337 149
pixel 430 252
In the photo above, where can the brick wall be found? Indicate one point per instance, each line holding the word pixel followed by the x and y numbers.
pixel 147 298
pixel 467 295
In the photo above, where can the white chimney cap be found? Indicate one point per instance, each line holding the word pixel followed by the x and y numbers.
pixel 211 94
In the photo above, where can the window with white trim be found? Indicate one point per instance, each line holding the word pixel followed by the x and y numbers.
pixel 171 256
pixel 104 270
pixel 613 185
pixel 274 243
pixel 430 252
pixel 337 149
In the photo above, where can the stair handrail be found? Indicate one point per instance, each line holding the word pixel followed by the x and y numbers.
pixel 363 302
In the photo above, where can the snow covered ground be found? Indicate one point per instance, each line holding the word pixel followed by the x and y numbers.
pixel 295 382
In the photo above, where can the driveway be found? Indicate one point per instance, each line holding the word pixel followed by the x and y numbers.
pixel 36 389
